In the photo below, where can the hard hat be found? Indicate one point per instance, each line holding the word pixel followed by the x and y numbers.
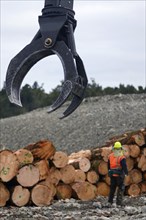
pixel 117 145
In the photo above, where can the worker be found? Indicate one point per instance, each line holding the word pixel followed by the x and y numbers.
pixel 117 171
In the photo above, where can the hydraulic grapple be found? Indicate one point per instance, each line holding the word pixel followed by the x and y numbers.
pixel 55 36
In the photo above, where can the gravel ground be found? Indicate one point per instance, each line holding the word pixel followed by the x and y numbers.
pixel 135 208
pixel 91 125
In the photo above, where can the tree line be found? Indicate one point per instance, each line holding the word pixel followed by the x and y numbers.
pixel 34 96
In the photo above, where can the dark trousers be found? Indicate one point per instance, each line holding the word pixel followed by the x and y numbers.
pixel 116 181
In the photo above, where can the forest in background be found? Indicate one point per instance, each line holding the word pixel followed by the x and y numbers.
pixel 34 96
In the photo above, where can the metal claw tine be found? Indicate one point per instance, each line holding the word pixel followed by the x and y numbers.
pixel 19 66
pixel 76 101
pixel 66 91
pixel 78 97
pixel 81 69
pixel 70 73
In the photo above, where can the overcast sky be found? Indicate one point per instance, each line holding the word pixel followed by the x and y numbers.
pixel 110 38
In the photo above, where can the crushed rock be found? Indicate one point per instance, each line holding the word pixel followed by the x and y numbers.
pixel 91 125
pixel 71 209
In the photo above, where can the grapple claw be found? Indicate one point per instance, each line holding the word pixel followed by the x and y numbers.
pixel 78 90
pixel 76 101
pixel 19 66
pixel 66 90
pixel 55 36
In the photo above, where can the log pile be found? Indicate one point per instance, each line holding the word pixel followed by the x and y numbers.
pixel 38 174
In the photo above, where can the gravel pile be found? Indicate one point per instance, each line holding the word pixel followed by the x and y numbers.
pixel 91 125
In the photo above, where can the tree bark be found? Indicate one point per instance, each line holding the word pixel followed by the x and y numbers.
pixel 94 164
pixel 43 149
pixel 80 154
pixel 74 162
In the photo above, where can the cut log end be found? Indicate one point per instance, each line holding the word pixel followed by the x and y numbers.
pixel 43 167
pixel 102 168
pixel 4 195
pixel 9 165
pixel 41 195
pixel 28 175
pixel 133 190
pixel 103 189
pixel 67 174
pixel 64 191
pixel 92 176
pixel 135 176
pixel 85 190
pixel 139 139
pixel 80 176
pixel 85 164
pixel 60 159
pixel 20 196
pixel 24 157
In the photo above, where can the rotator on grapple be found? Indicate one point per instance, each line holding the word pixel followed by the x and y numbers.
pixel 55 36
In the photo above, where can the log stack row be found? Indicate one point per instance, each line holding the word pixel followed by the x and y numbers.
pixel 38 174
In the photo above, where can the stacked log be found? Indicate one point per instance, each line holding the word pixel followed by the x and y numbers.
pixel 20 196
pixel 38 174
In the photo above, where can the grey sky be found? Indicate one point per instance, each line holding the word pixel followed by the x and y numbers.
pixel 110 38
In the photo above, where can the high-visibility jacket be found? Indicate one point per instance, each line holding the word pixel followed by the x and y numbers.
pixel 115 162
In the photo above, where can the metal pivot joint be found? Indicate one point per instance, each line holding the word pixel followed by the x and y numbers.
pixel 55 36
